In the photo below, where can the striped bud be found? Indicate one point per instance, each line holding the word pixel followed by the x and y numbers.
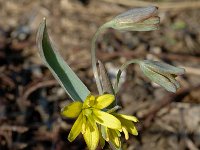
pixel 161 73
pixel 137 19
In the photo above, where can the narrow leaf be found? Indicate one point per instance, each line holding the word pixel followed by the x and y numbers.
pixel 58 67
pixel 105 80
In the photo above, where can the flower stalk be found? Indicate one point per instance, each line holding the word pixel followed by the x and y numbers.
pixel 93 57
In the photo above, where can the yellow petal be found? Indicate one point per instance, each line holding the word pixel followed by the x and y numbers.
pixel 84 125
pixel 114 139
pixel 106 119
pixel 89 101
pixel 118 133
pixel 125 133
pixel 72 110
pixel 92 121
pixel 104 100
pixel 104 133
pixel 91 136
pixel 132 118
pixel 101 139
pixel 130 127
pixel 76 128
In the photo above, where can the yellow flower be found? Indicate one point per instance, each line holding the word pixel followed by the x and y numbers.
pixel 89 114
pixel 127 124
pixel 113 135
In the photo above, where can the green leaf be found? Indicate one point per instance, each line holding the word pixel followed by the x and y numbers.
pixel 58 67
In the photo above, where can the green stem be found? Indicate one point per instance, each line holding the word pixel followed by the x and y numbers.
pixel 121 69
pixel 115 108
pixel 93 54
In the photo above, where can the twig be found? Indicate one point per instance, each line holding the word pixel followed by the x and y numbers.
pixel 190 144
pixel 182 131
pixel 36 86
pixel 191 70
pixel 7 80
pixel 8 137
pixel 149 116
pixel 132 54
pixel 19 129
pixel 178 57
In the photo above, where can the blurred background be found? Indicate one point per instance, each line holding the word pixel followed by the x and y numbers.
pixel 31 99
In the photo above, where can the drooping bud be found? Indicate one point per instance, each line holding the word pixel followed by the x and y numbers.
pixel 137 19
pixel 161 73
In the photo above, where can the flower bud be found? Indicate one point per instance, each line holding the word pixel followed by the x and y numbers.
pixel 161 73
pixel 137 19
